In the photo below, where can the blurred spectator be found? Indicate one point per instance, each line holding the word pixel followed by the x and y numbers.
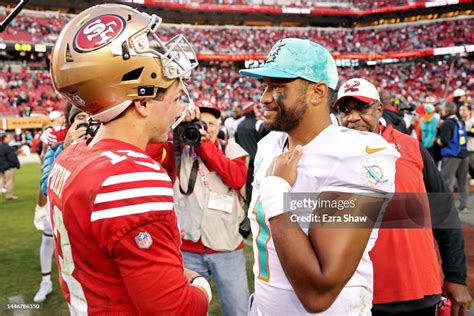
pixel 57 131
pixel 429 127
pixel 248 133
pixel 455 160
pixel 459 98
pixel 391 114
pixel 231 123
pixel 465 112
pixel 8 164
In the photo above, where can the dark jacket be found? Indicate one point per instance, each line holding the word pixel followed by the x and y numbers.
pixel 247 135
pixel 446 223
pixel 395 118
pixel 8 158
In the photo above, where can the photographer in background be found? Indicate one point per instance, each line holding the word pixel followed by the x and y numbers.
pixel 8 164
pixel 77 130
pixel 452 139
pixel 208 176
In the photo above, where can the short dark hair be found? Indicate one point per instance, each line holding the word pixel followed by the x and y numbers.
pixel 450 107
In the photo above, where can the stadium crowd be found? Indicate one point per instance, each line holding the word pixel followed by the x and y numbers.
pixel 408 82
pixel 210 244
pixel 24 93
pixel 355 4
pixel 230 40
pixel 33 29
pixel 411 37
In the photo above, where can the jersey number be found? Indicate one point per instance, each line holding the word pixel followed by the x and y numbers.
pixel 114 158
pixel 262 240
pixel 78 302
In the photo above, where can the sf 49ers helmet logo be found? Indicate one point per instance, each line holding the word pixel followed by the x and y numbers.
pixel 351 86
pixel 98 32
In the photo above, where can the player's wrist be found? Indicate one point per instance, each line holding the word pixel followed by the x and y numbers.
pixel 201 283
pixel 272 192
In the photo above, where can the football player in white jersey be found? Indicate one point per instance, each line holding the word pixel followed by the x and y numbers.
pixel 303 268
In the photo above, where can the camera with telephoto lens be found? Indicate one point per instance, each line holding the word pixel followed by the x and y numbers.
pixel 189 133
pixel 91 127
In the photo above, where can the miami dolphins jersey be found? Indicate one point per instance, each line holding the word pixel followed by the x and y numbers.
pixel 337 160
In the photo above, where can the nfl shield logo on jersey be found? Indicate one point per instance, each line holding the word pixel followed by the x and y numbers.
pixel 143 240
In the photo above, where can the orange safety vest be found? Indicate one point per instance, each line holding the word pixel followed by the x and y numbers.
pixel 406 265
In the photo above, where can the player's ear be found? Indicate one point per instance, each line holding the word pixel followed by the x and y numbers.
pixel 319 91
pixel 141 107
pixel 379 109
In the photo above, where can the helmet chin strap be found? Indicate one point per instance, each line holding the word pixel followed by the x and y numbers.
pixel 189 108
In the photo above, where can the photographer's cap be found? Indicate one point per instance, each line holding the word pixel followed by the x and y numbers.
pixel 72 113
pixel 292 58
pixel 359 89
pixel 207 106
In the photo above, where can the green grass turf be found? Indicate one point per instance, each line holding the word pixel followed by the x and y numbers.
pixel 19 251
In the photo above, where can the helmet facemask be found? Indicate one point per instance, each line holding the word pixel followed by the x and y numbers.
pixel 177 56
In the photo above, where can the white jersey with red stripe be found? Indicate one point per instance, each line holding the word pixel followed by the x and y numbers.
pixel 98 196
pixel 337 160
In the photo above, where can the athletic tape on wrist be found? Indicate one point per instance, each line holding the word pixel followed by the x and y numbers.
pixel 272 191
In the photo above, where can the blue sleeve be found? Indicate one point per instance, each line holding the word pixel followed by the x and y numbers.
pixel 49 158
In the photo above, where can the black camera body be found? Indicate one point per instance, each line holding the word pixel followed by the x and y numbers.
pixel 91 127
pixel 189 133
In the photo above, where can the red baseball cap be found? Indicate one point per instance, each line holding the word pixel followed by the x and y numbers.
pixel 248 107
pixel 208 107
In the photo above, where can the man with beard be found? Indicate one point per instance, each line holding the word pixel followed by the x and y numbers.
pixel 300 267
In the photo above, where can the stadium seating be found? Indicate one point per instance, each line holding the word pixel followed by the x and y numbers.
pixel 355 4
pixel 238 40
pixel 366 40
pixel 410 81
pixel 30 91
pixel 221 83
pixel 24 92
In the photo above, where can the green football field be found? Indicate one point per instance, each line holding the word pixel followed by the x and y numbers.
pixel 20 273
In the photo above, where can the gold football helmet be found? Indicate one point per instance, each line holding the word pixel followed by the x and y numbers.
pixel 110 54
